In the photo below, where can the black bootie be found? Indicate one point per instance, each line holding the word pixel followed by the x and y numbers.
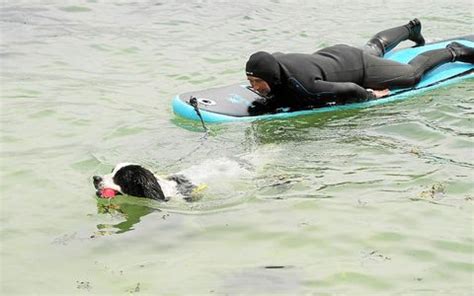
pixel 414 28
pixel 461 53
pixel 388 39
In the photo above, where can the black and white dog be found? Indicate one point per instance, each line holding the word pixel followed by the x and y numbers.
pixel 135 180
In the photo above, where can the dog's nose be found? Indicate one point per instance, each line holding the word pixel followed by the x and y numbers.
pixel 96 179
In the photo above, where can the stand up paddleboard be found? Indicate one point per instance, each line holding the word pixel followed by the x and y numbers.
pixel 230 103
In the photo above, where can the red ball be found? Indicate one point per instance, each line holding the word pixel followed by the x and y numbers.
pixel 107 193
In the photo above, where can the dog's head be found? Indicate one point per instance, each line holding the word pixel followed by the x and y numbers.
pixel 129 179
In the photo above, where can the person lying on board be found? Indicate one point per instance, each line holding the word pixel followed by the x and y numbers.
pixel 341 73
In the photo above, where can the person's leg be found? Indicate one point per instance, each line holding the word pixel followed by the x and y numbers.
pixel 382 73
pixel 386 40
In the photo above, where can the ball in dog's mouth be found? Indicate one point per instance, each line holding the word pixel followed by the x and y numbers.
pixel 106 193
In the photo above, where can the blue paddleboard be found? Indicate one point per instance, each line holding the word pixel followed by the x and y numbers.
pixel 230 103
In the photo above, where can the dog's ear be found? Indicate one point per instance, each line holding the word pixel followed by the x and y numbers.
pixel 153 190
pixel 137 181
pixel 150 186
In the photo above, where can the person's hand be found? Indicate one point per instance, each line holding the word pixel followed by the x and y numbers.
pixel 258 107
pixel 380 93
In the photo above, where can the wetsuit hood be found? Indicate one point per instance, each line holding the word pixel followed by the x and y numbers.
pixel 264 65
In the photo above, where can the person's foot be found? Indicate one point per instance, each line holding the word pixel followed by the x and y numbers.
pixel 414 27
pixel 461 53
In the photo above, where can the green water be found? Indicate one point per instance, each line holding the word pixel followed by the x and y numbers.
pixel 367 202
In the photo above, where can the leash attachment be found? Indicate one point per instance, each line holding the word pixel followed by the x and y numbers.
pixel 194 102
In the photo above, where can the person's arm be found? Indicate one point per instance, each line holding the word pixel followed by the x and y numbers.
pixel 334 90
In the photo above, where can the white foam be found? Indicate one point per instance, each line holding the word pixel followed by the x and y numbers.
pixel 211 171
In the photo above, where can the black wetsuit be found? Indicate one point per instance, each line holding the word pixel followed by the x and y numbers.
pixel 340 74
pixel 333 73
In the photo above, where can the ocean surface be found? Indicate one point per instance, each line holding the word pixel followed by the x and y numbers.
pixel 377 201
